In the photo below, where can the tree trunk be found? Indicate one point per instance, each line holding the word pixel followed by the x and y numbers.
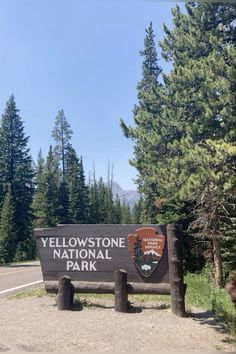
pixel 217 249
pixel 217 261
pixel 176 274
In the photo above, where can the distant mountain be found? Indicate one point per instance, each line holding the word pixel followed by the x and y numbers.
pixel 129 196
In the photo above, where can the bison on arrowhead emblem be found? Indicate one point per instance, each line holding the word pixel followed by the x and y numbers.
pixel 146 248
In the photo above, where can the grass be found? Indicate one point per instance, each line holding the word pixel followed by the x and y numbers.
pixel 19 262
pixel 37 292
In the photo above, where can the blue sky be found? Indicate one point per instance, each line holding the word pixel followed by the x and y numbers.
pixel 82 56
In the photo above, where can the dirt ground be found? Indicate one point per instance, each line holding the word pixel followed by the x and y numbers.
pixel 35 324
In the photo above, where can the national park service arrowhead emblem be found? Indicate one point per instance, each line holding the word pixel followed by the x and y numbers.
pixel 146 248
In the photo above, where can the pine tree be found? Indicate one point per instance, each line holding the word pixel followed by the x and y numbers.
pixel 101 205
pixel 83 191
pixel 109 196
pixel 186 156
pixel 105 212
pixel 228 230
pixel 136 213
pixel 39 195
pixel 110 206
pixel 102 202
pixel 117 215
pixel 7 232
pixel 200 114
pixel 51 189
pixel 16 173
pixel 62 135
pixel 146 117
pixel 73 183
pixel 63 202
pixel 125 213
pixel 78 191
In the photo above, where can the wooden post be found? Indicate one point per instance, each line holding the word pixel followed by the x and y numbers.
pixel 121 294
pixel 64 295
pixel 175 256
pixel 72 293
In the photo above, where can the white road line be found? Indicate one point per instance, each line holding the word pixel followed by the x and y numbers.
pixel 20 287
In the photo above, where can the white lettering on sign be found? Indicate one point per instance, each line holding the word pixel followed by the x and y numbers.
pixel 44 240
pixel 81 254
pixel 91 242
pixel 81 266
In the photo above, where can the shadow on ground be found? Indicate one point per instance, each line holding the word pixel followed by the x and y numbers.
pixel 207 318
pixel 132 307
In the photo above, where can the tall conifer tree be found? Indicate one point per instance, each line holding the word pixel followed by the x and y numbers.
pixel 102 202
pixel 146 119
pixel 73 183
pixel 78 191
pixel 8 240
pixel 136 213
pixel 83 192
pixel 51 189
pixel 39 200
pixel 62 135
pixel 63 202
pixel 117 211
pixel 188 159
pixel 125 213
pixel 16 173
pixel 200 110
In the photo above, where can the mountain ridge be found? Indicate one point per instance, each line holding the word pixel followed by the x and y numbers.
pixel 129 196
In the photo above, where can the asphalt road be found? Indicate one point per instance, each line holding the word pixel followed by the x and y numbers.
pixel 19 276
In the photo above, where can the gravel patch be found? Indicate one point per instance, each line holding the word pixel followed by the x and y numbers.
pixel 35 324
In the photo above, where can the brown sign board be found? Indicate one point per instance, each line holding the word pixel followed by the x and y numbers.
pixel 94 252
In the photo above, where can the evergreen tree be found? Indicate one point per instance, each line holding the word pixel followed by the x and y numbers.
pixel 94 212
pixel 105 211
pixel 228 230
pixel 62 135
pixel 200 114
pixel 7 232
pixel 73 182
pixel 186 157
pixel 51 192
pixel 125 213
pixel 78 192
pixel 109 196
pixel 16 173
pixel 83 191
pixel 101 205
pixel 109 205
pixel 147 118
pixel 39 195
pixel 63 202
pixel 117 215
pixel 102 202
pixel 136 213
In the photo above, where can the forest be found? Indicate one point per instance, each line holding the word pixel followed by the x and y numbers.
pixel 184 141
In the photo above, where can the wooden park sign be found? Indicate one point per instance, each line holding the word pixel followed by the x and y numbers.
pixel 119 259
